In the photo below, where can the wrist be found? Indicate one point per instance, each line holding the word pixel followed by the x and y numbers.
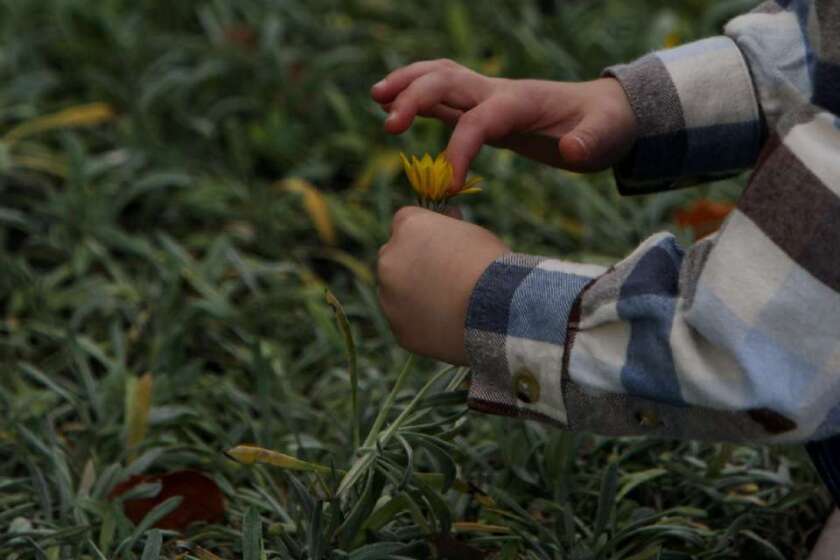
pixel 603 127
pixel 616 104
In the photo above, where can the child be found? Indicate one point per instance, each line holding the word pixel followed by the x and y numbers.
pixel 737 338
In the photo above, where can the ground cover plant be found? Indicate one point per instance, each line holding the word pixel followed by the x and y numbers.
pixel 192 195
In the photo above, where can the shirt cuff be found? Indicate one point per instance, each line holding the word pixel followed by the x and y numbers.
pixel 516 330
pixel 698 115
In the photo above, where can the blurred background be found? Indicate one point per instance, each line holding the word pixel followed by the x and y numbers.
pixel 179 183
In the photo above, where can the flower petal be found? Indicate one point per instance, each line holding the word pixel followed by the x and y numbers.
pixel 471 190
pixel 472 182
pixel 406 164
pixel 431 178
pixel 409 171
pixel 434 173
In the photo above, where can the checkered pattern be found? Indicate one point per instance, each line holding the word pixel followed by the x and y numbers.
pixel 697 134
pixel 738 337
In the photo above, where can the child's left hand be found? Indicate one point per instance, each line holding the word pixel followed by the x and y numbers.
pixel 427 271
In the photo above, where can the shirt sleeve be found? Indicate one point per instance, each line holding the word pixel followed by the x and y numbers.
pixel 735 338
pixel 704 108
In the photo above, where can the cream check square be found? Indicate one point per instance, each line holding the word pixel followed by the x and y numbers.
pixel 701 107
pixel 545 361
pixel 598 356
pixel 817 145
pixel 763 269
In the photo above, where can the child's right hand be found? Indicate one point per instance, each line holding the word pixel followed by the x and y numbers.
pixel 584 126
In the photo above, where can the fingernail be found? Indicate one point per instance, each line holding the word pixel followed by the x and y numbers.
pixel 584 148
pixel 391 116
pixel 379 84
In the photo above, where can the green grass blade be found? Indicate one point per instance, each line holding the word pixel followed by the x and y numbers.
pixel 382 415
pixel 154 542
pixel 377 551
pixel 314 535
pixel 356 472
pixel 156 514
pixel 350 349
pixel 252 539
pixel 606 500
pixel 95 549
pixel 397 423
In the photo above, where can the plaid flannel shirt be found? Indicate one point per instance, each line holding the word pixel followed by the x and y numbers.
pixel 736 338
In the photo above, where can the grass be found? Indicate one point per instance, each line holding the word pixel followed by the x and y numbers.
pixel 178 251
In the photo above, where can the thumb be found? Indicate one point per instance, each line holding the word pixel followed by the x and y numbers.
pixel 582 148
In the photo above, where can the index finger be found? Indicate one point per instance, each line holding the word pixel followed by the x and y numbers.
pixel 491 120
pixel 387 89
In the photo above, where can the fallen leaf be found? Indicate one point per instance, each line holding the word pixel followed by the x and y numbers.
pixel 703 217
pixel 202 499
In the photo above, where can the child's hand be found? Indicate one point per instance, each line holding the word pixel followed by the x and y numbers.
pixel 427 271
pixel 584 126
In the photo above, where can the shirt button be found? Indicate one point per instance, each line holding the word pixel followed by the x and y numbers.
pixel 526 386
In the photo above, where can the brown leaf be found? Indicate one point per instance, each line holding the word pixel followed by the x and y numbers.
pixel 201 499
pixel 703 217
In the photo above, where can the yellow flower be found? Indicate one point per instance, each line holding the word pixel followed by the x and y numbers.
pixel 431 179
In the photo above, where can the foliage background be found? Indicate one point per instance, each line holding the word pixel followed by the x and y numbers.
pixel 192 236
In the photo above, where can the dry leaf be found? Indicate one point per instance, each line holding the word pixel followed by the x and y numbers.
pixel 201 499
pixel 138 403
pixel 81 115
pixel 251 454
pixel 474 527
pixel 315 205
